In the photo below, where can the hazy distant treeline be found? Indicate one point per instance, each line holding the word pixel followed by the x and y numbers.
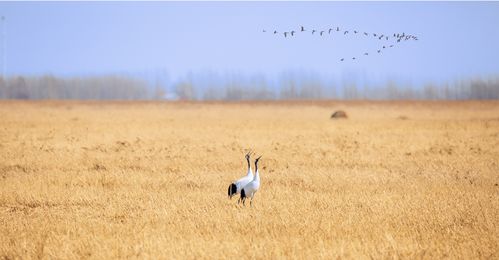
pixel 235 88
pixel 292 86
pixel 49 87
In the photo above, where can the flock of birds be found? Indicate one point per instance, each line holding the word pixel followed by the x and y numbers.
pixel 396 37
pixel 248 185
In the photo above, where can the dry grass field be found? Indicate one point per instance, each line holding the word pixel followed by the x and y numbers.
pixel 149 180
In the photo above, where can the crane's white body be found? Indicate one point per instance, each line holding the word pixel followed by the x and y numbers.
pixel 244 180
pixel 252 187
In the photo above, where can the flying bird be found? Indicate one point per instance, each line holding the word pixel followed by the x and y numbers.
pixel 264 30
pixel 384 47
pixel 285 34
pixel 379 51
pixel 345 32
pixel 302 29
pixel 236 186
pixel 391 46
pixel 342 59
pixel 355 31
pixel 252 187
pixel 366 53
pixel 366 34
pixel 275 32
pixel 353 58
pixel 292 33
pixel 329 31
pixel 322 32
pixel 337 29
pixel 313 31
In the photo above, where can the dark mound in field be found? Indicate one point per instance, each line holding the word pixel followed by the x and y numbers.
pixel 339 114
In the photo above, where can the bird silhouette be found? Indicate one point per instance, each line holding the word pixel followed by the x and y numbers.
pixel 379 51
pixel 353 58
pixel 264 31
pixel 355 31
pixel 366 53
pixel 391 46
pixel 302 29
pixel 329 31
pixel 386 38
pixel 292 33
pixel 275 32
pixel 345 32
pixel 342 59
pixel 374 35
pixel 384 47
pixel 337 29
pixel 366 34
pixel 380 37
pixel 322 32
pixel 313 31
pixel 285 34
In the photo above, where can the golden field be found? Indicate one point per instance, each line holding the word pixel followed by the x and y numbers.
pixel 149 180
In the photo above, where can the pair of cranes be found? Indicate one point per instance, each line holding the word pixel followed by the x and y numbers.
pixel 248 185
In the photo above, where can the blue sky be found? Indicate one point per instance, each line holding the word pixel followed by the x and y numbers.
pixel 456 39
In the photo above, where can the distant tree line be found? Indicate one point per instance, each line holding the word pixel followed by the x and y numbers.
pixel 293 87
pixel 50 87
pixel 235 87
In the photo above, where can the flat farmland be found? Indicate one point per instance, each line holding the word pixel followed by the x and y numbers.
pixel 149 180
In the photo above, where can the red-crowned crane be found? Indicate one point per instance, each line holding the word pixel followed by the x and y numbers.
pixel 252 187
pixel 236 186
